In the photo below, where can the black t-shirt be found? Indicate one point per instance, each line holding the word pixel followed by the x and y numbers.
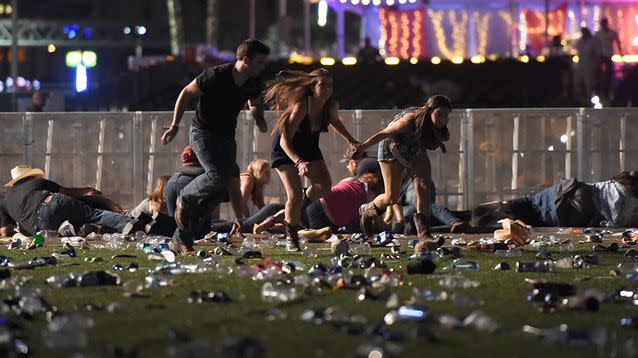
pixel 222 100
pixel 5 218
pixel 23 201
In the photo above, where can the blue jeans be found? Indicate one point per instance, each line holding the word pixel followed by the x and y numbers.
pixel 62 207
pixel 200 197
pixel 543 203
pixel 439 212
pixel 173 187
pixel 249 222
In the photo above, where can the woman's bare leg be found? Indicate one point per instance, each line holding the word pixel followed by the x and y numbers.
pixel 320 181
pixel 294 202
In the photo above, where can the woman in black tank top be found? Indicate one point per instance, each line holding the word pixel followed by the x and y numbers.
pixel 308 109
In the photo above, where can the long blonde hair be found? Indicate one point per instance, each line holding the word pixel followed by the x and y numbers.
pixel 290 87
pixel 257 166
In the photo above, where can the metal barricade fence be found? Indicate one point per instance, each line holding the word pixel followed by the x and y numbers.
pixel 493 154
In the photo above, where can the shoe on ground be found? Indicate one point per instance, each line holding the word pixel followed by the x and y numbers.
pixel 186 250
pixel 458 227
pixel 292 244
pixel 66 229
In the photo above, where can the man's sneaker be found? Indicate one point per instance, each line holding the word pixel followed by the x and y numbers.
pixel 66 229
pixel 87 229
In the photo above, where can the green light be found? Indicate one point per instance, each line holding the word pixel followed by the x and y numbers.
pixel 73 58
pixel 89 59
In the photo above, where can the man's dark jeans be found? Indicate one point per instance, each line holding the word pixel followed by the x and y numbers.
pixel 63 207
pixel 217 156
pixel 173 187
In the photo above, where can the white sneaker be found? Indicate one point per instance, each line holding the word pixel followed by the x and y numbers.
pixel 66 229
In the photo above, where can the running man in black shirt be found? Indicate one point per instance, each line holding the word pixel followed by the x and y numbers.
pixel 222 92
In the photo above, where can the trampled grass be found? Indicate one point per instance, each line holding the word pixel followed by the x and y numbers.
pixel 142 326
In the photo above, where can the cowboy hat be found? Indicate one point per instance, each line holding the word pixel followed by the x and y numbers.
pixel 517 230
pixel 23 171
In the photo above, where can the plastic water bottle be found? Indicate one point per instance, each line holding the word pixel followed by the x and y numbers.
pixel 429 295
pixel 278 293
pixel 481 322
pixel 413 313
pixel 249 243
pixel 509 253
pixel 458 282
pixel 565 263
pixel 463 265
pixel 536 266
pixel 360 249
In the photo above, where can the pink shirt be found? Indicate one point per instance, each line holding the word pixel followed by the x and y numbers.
pixel 343 202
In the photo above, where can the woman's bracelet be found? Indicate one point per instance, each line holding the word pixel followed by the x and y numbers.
pixel 299 161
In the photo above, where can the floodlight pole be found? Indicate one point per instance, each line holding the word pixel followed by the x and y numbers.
pixel 306 28
pixel 547 23
pixel 283 28
pixel 14 54
pixel 252 19
pixel 341 32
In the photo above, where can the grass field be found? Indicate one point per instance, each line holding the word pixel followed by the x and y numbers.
pixel 142 327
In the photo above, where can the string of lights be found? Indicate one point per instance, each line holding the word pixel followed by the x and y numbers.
pixel 459 32
pixel 522 29
pixel 481 30
pixel 376 2
pixel 437 19
pixel 597 12
pixel 405 35
pixel 393 42
pixel 417 51
pixel 384 34
pixel 402 32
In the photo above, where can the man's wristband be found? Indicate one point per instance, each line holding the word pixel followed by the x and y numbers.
pixel 174 126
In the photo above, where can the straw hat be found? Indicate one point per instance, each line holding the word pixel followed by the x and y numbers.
pixel 23 171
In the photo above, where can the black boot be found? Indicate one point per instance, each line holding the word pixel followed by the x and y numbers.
pixel 292 237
